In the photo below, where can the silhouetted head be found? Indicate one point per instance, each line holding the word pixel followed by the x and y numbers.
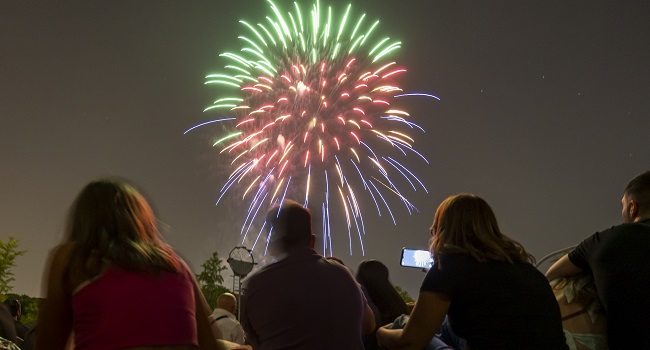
pixel 14 308
pixel 466 223
pixel 228 302
pixel 372 270
pixel 111 210
pixel 636 199
pixel 111 222
pixel 373 275
pixel 290 225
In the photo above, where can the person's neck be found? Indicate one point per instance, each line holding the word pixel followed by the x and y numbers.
pixel 641 218
pixel 226 310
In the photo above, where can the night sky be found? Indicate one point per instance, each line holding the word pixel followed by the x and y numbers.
pixel 544 112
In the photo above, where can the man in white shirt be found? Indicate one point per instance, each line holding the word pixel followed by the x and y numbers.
pixel 224 319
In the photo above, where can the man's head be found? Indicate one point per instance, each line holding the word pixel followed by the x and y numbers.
pixel 227 302
pixel 636 199
pixel 291 226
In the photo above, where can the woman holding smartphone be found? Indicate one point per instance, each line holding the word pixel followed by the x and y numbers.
pixel 485 282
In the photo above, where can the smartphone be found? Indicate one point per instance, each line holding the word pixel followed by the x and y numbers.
pixel 416 258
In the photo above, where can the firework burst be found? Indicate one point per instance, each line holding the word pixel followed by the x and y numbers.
pixel 312 116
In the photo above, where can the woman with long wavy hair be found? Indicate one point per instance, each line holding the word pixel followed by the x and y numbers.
pixel 484 282
pixel 115 284
pixel 373 275
pixel 382 296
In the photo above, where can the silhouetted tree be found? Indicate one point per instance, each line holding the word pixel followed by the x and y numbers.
pixel 8 254
pixel 211 280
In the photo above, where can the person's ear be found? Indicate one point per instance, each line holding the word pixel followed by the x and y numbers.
pixel 312 241
pixel 634 209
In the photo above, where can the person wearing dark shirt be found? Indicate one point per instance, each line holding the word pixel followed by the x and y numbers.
pixel 373 276
pixel 7 328
pixel 17 311
pixel 485 282
pixel 302 301
pixel 617 260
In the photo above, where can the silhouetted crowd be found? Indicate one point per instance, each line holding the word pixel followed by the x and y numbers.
pixel 115 284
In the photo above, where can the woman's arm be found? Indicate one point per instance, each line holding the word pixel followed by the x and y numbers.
pixel 55 315
pixel 429 312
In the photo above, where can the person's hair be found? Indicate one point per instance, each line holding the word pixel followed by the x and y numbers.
pixel 585 289
pixel 373 275
pixel 290 223
pixel 639 190
pixel 14 307
pixel 466 223
pixel 110 222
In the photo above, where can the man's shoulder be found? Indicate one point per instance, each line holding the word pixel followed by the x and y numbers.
pixel 218 313
pixel 627 239
pixel 619 231
pixel 643 226
pixel 267 270
pixel 301 259
pixel 271 272
pixel 308 266
pixel 334 268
